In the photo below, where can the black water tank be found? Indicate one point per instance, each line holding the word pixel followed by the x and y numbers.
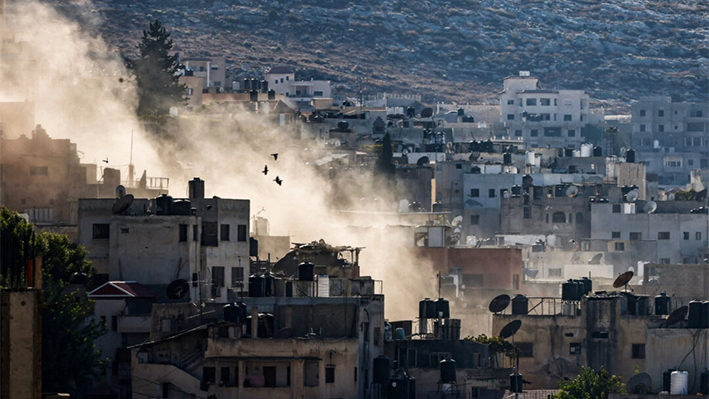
pixel 516 382
pixel 253 86
pixel 163 205
pixel 632 303
pixel 271 94
pixel 570 291
pixel 447 367
pixel 694 319
pixel 182 208
pixel 642 305
pixel 264 86
pixel 662 304
pixel 520 304
pixel 667 379
pixel 253 96
pixel 79 278
pixel 381 369
pixel 507 158
pixel 269 281
pixel 442 308
pixel 436 207
pixel 705 314
pixel 245 85
pixel 704 383
pixel 196 188
pixel 398 388
pixel 253 246
pixel 516 191
pixel 232 313
pixel 587 286
pixel 427 309
pixel 597 151
pixel 268 321
pixel 256 287
pixel 305 271
pixel 568 152
pixel 630 156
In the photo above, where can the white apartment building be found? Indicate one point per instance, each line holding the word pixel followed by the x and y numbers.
pixel 281 79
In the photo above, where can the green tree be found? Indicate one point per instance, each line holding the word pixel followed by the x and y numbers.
pixel 70 359
pixel 156 72
pixel 496 345
pixel 384 166
pixel 589 384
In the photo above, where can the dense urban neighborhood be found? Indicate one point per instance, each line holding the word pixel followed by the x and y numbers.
pixel 176 223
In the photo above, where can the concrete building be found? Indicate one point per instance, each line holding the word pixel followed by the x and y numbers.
pixel 20 343
pixel 212 70
pixel 154 242
pixel 281 79
pixel 542 117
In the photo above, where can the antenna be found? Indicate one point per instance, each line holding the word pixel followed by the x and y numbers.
pixel 178 289
pixel 639 384
pixel 499 303
pixel 623 280
pixel 122 204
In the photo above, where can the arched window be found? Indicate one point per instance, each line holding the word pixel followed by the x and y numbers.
pixel 558 217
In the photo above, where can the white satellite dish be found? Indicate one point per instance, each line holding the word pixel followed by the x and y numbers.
pixel 632 195
pixel 572 191
pixel 456 220
pixel 650 207
pixel 120 191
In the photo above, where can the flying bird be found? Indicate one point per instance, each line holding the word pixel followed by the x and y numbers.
pixel 278 180
pixel 275 157
pixel 106 160
pixel 265 170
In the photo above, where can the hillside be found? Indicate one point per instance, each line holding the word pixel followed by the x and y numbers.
pixel 453 50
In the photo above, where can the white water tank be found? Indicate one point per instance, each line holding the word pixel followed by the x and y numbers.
pixel 586 150
pixel 576 153
pixel 404 206
pixel 529 158
pixel 323 285
pixel 678 382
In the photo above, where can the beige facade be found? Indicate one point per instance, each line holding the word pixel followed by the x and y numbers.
pixel 20 344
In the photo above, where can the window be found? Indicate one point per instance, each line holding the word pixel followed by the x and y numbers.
pixel 660 128
pixel 545 102
pixel 330 374
pixel 310 373
pixel 552 132
pixel 225 377
pixel 616 208
pixel 209 375
pixel 638 351
pixel 545 117
pixel 558 217
pixel 473 280
pixel 567 118
pixel 642 128
pixel 663 235
pixel 534 133
pixel 474 192
pixel 518 133
pixel 209 234
pixel 510 117
pixel 572 133
pixel 575 348
pixel 698 235
pixel 217 276
pixel 615 234
pixel 527 212
pixel 474 220
pixel 665 261
pixel 619 246
pixel 190 91
pixel 195 232
pixel 101 231
pixel 660 113
pixel 287 77
pixel 183 232
pixel 241 233
pixel 317 93
pixel 531 102
pixel 39 170
pixel 224 232
pixel 642 112
pixel 526 349
pixel 555 272
pixel 510 102
pixel 459 166
pixel 685 235
pixel 636 236
pixel 237 276
pixel 491 193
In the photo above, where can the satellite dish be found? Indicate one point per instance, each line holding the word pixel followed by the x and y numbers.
pixel 632 195
pixel 122 204
pixel 427 112
pixel 404 151
pixel 178 289
pixel 596 260
pixel 120 191
pixel 622 150
pixel 457 220
pixel 650 207
pixel 499 303
pixel 677 315
pixel 510 329
pixel 639 384
pixel 572 191
pixel 622 280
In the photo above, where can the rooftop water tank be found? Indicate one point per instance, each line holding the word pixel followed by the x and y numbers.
pixel 694 318
pixel 442 308
pixel 380 370
pixel 662 304
pixel 678 382
pixel 447 367
pixel 520 304
pixel 427 309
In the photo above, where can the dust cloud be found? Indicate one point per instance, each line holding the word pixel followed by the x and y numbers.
pixel 83 92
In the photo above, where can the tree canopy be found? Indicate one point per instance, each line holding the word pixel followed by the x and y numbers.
pixel 69 357
pixel 590 384
pixel 384 166
pixel 156 72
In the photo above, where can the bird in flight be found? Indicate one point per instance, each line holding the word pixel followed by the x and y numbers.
pixel 278 180
pixel 106 160
pixel 275 156
pixel 265 170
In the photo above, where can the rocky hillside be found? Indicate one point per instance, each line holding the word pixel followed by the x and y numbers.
pixel 443 49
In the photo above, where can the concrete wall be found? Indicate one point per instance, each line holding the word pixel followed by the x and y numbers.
pixel 686 349
pixel 20 344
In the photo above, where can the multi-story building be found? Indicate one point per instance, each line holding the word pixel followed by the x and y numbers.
pixel 281 79
pixel 154 242
pixel 212 70
pixel 542 117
